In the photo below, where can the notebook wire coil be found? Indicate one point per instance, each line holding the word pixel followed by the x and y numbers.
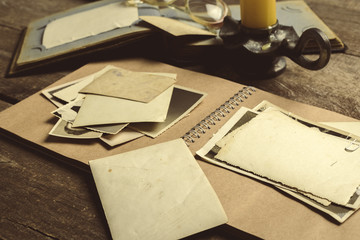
pixel 217 115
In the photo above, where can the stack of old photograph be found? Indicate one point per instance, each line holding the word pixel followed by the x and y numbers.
pixel 117 105
pixel 312 162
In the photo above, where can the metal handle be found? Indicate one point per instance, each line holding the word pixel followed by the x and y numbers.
pixel 322 41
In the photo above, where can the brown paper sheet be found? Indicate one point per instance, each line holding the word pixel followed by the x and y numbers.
pixel 250 205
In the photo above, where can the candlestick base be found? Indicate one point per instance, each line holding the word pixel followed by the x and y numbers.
pixel 259 53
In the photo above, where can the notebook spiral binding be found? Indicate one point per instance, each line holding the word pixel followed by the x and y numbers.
pixel 217 115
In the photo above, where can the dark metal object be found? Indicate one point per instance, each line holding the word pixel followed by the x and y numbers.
pixel 260 53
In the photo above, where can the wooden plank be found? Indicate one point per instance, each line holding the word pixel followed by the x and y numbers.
pixel 45 199
pixel 343 18
pixel 30 11
pixel 334 88
pixel 4 105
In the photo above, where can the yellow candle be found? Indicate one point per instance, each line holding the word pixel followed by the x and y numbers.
pixel 258 13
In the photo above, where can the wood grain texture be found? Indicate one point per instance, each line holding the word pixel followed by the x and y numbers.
pixel 41 198
pixel 4 105
pixel 18 14
pixel 343 18
pixel 336 87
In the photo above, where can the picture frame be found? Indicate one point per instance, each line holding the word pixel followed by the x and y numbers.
pixel 31 53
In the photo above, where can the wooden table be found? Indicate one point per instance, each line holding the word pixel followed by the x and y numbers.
pixel 44 199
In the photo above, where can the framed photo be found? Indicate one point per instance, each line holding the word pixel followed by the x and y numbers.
pixel 85 29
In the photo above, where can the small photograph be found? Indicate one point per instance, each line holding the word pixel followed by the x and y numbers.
pixel 265 106
pixel 183 101
pixel 64 129
pixel 51 92
pixel 126 135
pixel 69 111
pixel 111 129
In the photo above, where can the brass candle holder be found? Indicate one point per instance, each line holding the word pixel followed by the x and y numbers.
pixel 260 53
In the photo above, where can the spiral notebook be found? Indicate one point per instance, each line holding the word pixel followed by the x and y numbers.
pixel 250 205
